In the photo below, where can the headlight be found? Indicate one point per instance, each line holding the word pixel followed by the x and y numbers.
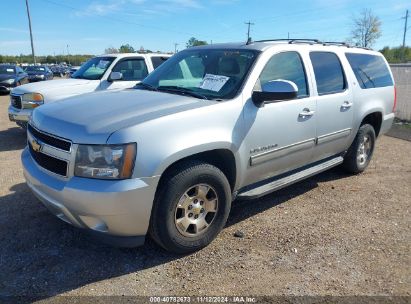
pixel 40 76
pixel 105 161
pixel 32 100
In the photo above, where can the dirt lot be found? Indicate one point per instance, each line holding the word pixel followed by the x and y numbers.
pixel 333 234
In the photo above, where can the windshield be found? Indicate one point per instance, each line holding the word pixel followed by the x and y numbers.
pixel 35 69
pixel 7 70
pixel 211 73
pixel 94 68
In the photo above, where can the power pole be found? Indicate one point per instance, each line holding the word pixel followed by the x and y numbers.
pixel 249 23
pixel 31 34
pixel 405 34
pixel 175 47
pixel 68 54
pixel 405 28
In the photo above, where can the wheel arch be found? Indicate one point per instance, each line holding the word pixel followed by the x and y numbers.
pixel 222 158
pixel 374 119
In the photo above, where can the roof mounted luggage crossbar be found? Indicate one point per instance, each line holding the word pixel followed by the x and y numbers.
pixel 293 40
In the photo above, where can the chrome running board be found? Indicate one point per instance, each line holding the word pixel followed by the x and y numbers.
pixel 289 179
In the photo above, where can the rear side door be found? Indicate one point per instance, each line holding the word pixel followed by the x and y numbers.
pixel 133 69
pixel 281 135
pixel 334 104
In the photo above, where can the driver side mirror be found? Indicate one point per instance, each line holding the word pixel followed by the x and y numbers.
pixel 275 91
pixel 115 76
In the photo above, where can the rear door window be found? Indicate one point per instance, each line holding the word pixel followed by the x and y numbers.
pixel 328 73
pixel 157 61
pixel 371 71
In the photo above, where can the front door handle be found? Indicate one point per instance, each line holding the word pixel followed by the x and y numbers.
pixel 346 105
pixel 306 112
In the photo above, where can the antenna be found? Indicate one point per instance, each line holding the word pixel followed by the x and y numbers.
pixel 249 23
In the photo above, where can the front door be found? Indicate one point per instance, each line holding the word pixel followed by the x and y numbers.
pixel 281 135
pixel 133 70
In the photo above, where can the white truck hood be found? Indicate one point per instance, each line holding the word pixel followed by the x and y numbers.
pixel 58 89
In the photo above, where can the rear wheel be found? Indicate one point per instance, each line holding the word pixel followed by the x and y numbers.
pixel 360 153
pixel 191 207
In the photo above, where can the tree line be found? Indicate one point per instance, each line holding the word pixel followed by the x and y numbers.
pixel 49 59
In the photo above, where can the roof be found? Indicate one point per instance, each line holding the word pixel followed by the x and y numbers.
pixel 297 43
pixel 121 55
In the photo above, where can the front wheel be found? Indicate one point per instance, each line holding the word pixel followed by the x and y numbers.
pixel 191 207
pixel 359 154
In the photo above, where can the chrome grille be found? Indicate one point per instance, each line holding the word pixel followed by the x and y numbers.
pixel 50 140
pixel 48 151
pixel 15 101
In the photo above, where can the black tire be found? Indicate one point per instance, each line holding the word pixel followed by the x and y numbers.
pixel 163 228
pixel 352 163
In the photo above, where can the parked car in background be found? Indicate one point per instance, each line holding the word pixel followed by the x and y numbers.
pixel 39 73
pixel 74 69
pixel 210 124
pixel 106 72
pixel 11 76
pixel 60 71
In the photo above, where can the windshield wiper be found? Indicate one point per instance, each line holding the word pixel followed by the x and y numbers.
pixel 181 90
pixel 146 86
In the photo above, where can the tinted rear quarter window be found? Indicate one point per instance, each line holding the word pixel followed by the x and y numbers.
pixel 371 71
pixel 328 73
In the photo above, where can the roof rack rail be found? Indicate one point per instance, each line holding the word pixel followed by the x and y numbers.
pixel 341 43
pixel 293 40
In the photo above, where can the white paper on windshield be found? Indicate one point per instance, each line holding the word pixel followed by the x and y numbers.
pixel 213 82
pixel 10 70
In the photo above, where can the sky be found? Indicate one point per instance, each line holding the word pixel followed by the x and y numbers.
pixel 90 26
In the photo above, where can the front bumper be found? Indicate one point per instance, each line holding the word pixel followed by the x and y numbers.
pixel 35 79
pixel 386 123
pixel 19 115
pixel 4 88
pixel 119 210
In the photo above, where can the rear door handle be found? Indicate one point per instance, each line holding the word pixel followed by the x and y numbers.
pixel 346 105
pixel 306 112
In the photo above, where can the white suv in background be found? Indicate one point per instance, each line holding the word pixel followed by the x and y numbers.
pixel 105 72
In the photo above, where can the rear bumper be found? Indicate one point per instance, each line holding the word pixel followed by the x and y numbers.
pixel 116 211
pixel 387 122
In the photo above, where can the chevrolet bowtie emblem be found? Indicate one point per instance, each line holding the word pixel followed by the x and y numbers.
pixel 35 145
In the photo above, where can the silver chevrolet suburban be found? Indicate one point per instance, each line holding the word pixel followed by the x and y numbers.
pixel 211 124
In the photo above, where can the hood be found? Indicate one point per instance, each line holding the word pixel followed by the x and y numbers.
pixel 50 86
pixel 92 118
pixel 6 77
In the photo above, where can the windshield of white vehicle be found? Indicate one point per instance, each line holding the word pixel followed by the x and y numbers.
pixel 8 70
pixel 202 73
pixel 35 69
pixel 93 69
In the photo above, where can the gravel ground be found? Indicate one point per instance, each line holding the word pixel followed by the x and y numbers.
pixel 333 234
